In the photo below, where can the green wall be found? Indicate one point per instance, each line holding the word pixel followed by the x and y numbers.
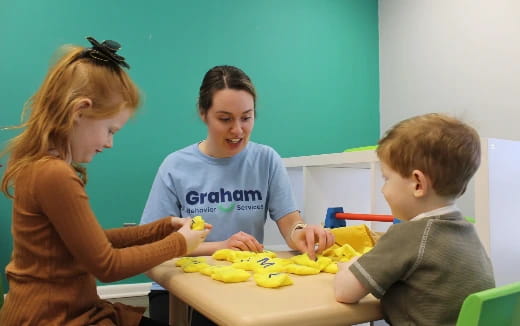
pixel 314 63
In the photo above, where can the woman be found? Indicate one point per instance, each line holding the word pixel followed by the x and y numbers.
pixel 232 182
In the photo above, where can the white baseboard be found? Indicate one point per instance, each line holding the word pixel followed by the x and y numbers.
pixel 123 290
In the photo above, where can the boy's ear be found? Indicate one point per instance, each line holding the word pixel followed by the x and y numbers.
pixel 422 184
pixel 84 103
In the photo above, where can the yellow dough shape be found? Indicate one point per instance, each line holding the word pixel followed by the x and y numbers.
pixel 266 253
pixel 222 254
pixel 208 270
pixel 304 260
pixel 272 280
pixel 229 274
pixel 323 261
pixel 357 236
pixel 188 260
pixel 301 270
pixel 268 265
pixel 231 255
pixel 194 267
pixel 329 252
pixel 247 264
pixel 331 268
pixel 366 249
pixel 197 223
pixel 346 251
pixel 282 261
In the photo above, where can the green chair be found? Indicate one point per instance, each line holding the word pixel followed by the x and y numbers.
pixel 494 307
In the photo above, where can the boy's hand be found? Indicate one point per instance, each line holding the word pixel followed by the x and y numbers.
pixel 193 237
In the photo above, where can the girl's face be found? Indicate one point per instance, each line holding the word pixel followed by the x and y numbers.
pixel 230 121
pixel 91 136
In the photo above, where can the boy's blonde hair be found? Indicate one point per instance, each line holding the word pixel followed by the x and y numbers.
pixel 445 149
pixel 51 116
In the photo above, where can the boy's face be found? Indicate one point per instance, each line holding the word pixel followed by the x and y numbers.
pixel 399 193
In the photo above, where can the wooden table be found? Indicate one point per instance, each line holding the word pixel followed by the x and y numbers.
pixel 309 301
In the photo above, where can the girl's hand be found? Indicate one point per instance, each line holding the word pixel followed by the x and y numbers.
pixel 193 238
pixel 177 222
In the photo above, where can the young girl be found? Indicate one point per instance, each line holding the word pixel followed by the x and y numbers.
pixel 59 247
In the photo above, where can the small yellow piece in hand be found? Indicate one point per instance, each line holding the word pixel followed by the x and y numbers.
pixel 197 223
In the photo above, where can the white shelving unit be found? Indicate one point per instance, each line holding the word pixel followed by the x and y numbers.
pixel 353 181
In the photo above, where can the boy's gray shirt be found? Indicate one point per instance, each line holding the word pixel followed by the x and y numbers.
pixel 423 270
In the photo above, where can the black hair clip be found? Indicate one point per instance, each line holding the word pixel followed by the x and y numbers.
pixel 104 53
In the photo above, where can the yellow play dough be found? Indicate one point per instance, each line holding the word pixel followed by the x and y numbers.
pixel 331 268
pixel 272 280
pixel 229 274
pixel 301 270
pixel 197 223
pixel 304 260
pixel 194 267
pixel 189 260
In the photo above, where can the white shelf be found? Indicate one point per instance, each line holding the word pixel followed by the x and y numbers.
pixel 351 180
pixel 361 159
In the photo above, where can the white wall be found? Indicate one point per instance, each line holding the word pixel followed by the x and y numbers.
pixel 455 56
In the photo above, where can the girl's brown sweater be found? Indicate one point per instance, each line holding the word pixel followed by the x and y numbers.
pixel 60 249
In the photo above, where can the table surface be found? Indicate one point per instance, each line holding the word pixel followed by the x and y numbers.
pixel 309 301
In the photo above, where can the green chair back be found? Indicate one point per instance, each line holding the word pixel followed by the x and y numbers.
pixel 494 307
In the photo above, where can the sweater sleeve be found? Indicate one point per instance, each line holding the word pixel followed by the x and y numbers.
pixel 62 198
pixel 141 234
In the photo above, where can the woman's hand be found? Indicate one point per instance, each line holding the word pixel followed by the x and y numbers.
pixel 243 241
pixel 193 238
pixel 306 238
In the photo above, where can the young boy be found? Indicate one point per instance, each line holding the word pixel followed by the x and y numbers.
pixel 423 268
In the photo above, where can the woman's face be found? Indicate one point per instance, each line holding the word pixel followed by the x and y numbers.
pixel 230 121
pixel 91 136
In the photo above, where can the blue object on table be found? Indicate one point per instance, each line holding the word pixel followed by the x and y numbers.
pixel 331 221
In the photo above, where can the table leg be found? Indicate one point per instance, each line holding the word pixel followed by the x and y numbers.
pixel 179 312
